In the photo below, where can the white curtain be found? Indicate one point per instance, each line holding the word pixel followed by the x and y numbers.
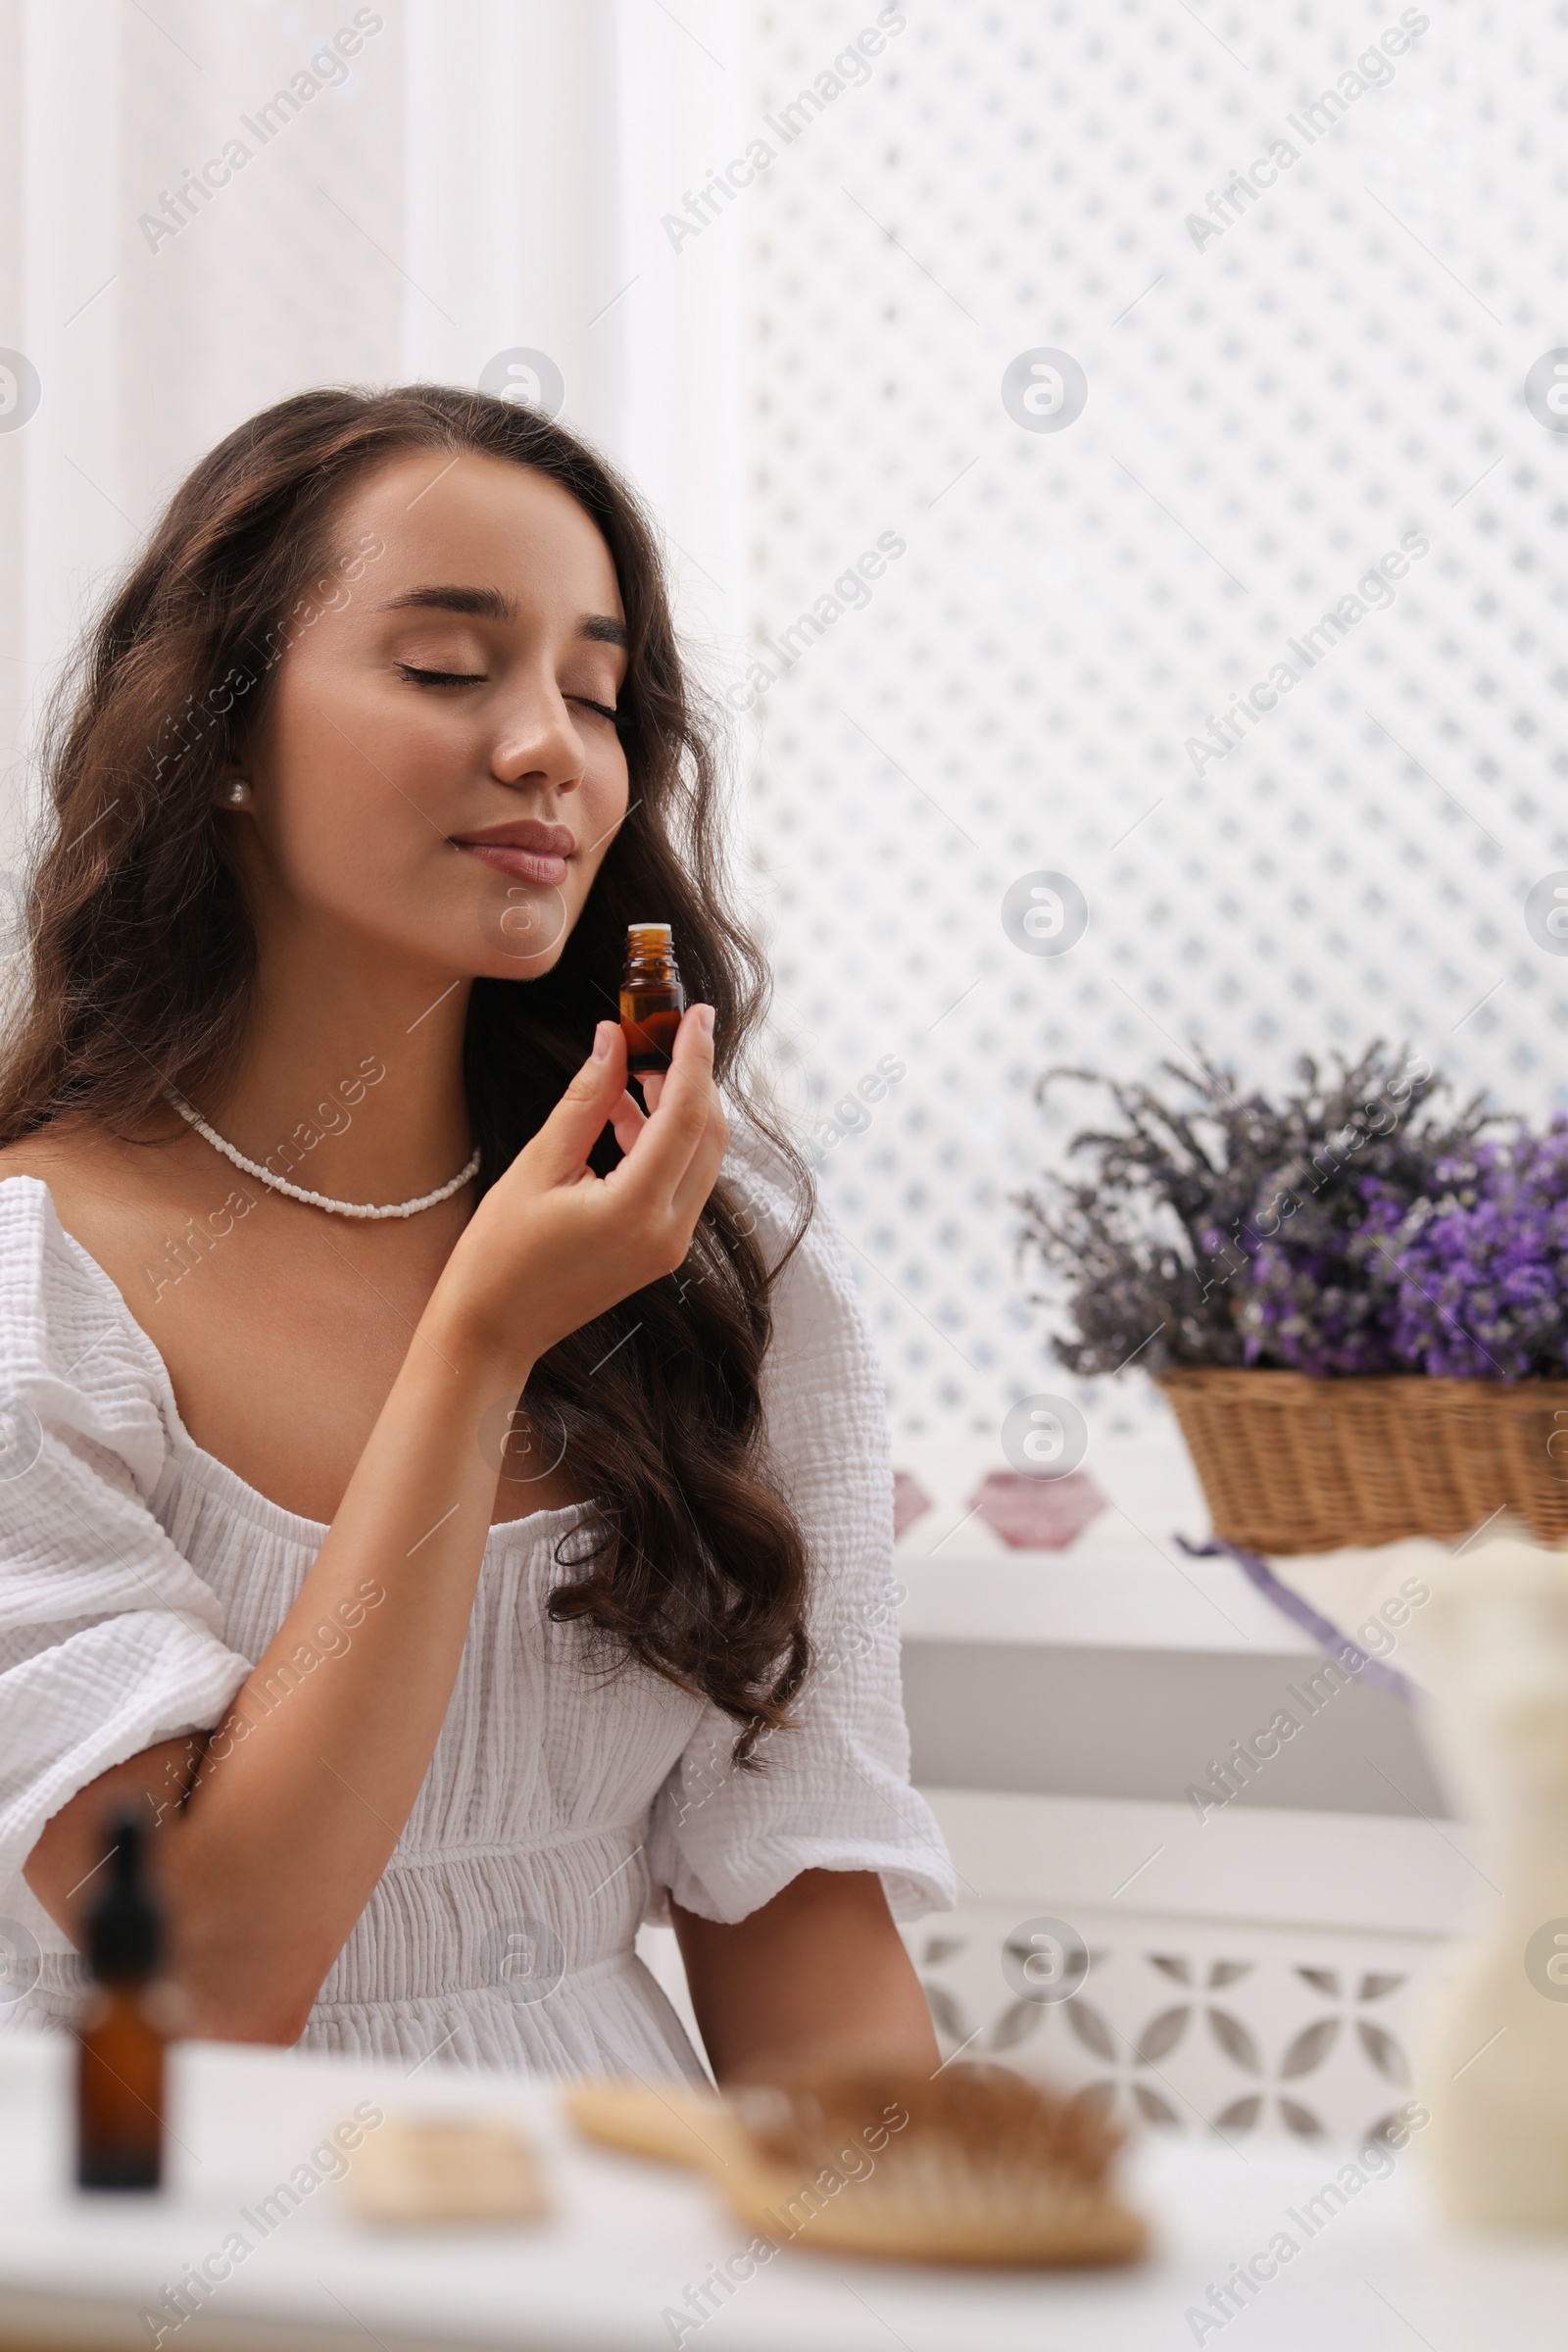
pixel 425 185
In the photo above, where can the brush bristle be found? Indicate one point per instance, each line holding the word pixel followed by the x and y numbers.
pixel 970 2125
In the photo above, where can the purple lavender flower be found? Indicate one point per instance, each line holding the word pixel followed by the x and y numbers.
pixel 1482 1269
pixel 1322 1297
pixel 1229 1229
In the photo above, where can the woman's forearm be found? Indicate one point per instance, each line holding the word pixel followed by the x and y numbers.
pixel 295 1805
pixel 819 1973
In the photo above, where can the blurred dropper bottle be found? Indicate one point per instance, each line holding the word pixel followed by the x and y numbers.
pixel 121 2037
pixel 651 998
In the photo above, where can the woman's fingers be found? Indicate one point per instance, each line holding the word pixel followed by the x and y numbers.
pixel 591 1097
pixel 670 1136
pixel 698 1182
pixel 627 1121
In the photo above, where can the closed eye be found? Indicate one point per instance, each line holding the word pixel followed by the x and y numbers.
pixel 440 677
pixel 479 677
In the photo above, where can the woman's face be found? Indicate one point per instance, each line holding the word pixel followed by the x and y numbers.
pixel 439 769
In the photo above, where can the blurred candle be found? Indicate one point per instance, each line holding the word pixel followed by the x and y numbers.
pixel 1492 1646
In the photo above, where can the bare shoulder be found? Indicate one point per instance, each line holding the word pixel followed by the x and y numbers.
pixel 70 1155
pixel 107 1193
pixel 49 1157
pixel 120 1201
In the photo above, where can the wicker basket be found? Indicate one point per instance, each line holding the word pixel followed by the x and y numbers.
pixel 1292 1463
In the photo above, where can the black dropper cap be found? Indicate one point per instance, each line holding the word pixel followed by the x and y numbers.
pixel 125 1927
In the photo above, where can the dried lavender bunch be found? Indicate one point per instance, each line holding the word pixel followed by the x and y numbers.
pixel 1481 1270
pixel 1323 1289
pixel 1128 1240
pixel 1160 1243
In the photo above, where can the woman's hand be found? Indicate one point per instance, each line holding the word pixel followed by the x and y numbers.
pixel 551 1246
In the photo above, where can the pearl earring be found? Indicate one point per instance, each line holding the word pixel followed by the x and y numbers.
pixel 237 793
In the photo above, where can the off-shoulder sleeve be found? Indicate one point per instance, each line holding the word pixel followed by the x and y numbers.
pixel 109 1640
pixel 833 1790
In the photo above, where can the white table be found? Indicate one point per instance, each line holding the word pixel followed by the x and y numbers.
pixel 628 2239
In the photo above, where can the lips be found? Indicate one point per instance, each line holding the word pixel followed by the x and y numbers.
pixel 526 850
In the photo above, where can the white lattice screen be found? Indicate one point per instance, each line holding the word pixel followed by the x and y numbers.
pixel 1273 401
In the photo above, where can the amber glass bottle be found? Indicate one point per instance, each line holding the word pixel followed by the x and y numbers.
pixel 651 998
pixel 119 2059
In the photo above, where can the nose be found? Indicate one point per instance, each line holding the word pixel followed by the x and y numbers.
pixel 538 745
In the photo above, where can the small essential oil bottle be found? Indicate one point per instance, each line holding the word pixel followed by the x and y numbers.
pixel 651 998
pixel 119 2058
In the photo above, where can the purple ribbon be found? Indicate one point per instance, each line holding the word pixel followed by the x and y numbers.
pixel 1301 1612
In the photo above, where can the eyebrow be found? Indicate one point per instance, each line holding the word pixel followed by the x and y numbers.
pixel 489 603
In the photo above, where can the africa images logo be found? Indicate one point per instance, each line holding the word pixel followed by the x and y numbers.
pixel 194 191
pixel 1312 121
pixel 1373 589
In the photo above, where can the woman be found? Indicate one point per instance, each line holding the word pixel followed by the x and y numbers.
pixel 459 1584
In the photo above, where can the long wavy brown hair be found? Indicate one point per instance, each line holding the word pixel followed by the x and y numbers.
pixel 140 961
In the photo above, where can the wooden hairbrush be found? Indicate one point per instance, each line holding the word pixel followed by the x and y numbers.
pixel 974 2164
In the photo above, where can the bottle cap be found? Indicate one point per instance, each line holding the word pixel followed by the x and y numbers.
pixel 125 1927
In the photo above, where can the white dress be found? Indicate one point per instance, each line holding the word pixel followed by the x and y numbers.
pixel 140 1578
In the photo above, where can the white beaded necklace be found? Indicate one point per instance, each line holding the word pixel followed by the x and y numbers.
pixel 297 1192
